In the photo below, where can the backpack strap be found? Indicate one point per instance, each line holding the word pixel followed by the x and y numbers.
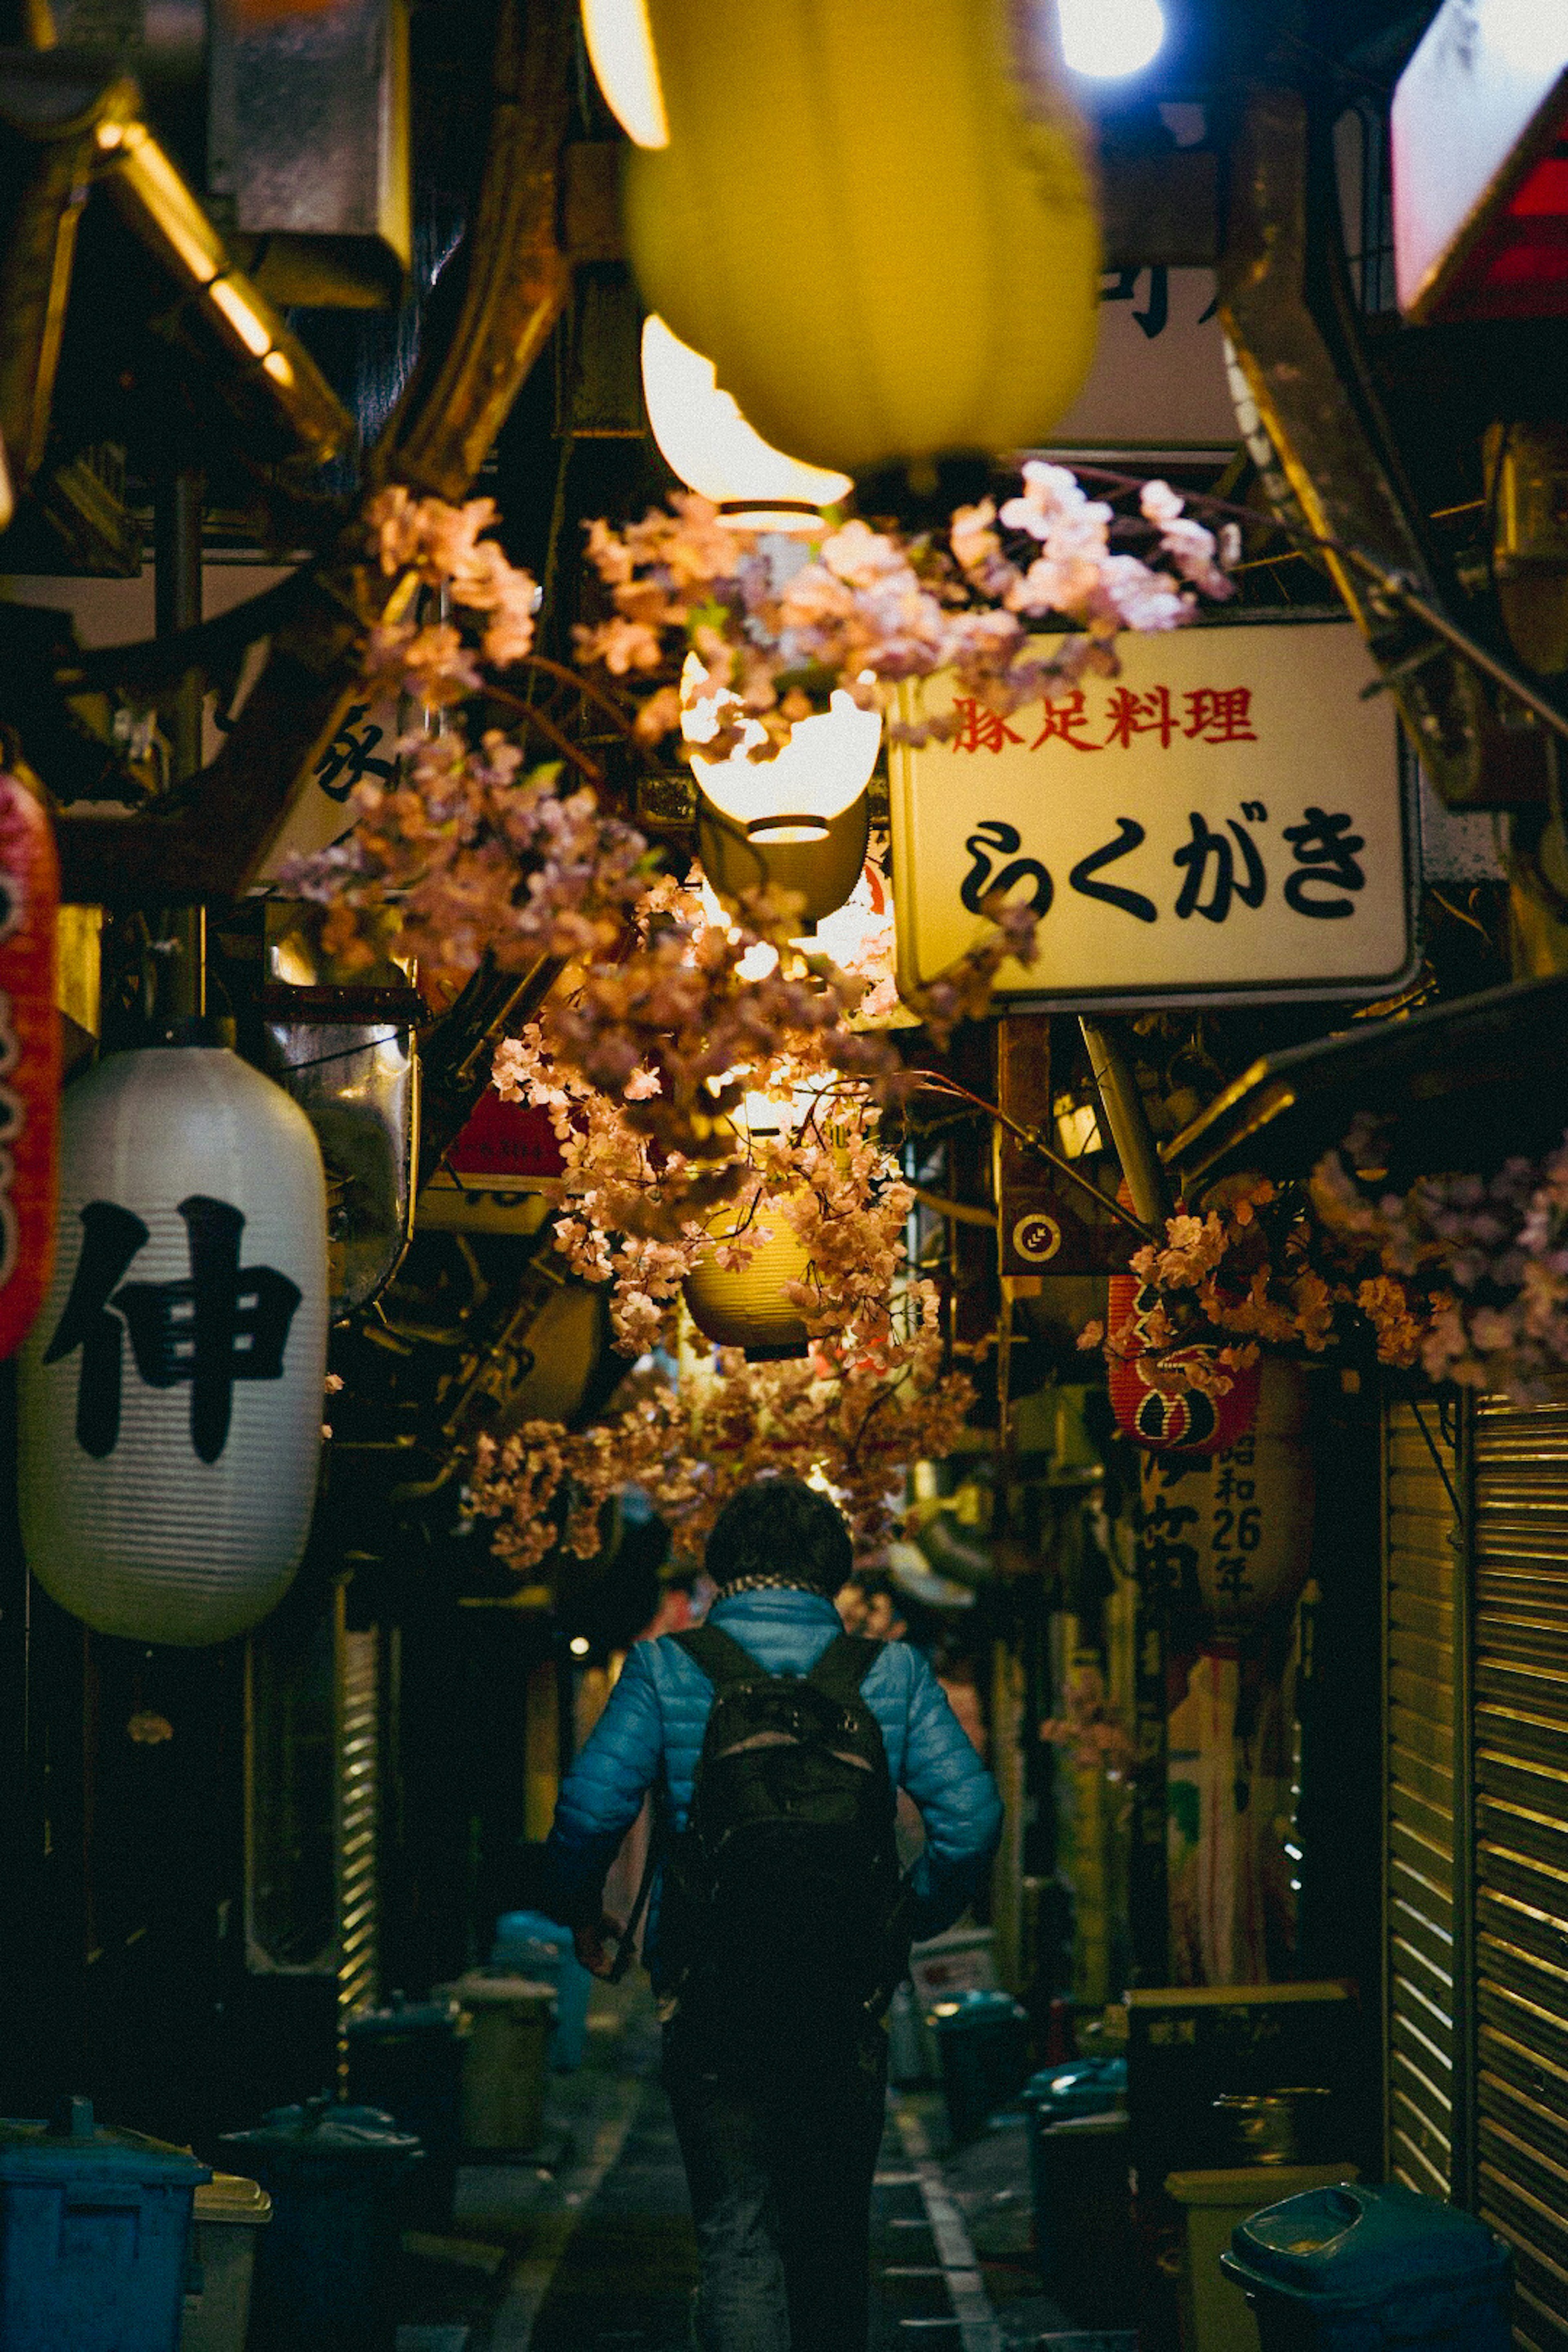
pixel 844 1666
pixel 721 1656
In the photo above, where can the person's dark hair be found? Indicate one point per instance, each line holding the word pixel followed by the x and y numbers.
pixel 783 1529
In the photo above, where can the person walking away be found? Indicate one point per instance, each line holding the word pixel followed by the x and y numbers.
pixel 773 1743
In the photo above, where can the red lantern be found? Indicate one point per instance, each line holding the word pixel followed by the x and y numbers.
pixel 1188 1421
pixel 29 1059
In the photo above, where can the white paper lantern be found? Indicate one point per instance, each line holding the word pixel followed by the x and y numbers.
pixel 171 1390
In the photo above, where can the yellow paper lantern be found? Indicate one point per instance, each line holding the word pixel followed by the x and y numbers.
pixel 747 1308
pixel 880 229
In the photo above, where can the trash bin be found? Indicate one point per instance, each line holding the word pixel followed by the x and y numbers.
pixel 326 2268
pixel 529 1945
pixel 407 2060
pixel 1083 2211
pixel 504 2061
pixel 1077 2086
pixel 907 2061
pixel 982 2046
pixel 1214 2316
pixel 95 2230
pixel 1354 2269
pixel 228 2212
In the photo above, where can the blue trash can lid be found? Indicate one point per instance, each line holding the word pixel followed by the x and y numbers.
pixel 401 2016
pixel 322 2127
pixel 73 2142
pixel 531 1927
pixel 967 2010
pixel 1075 2079
pixel 1360 2244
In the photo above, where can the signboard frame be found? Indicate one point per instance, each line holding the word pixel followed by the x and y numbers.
pixel 1144 995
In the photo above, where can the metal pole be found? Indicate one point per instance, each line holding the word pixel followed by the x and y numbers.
pixel 177 604
pixel 1131 1132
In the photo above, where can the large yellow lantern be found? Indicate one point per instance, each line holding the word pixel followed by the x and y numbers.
pixel 875 219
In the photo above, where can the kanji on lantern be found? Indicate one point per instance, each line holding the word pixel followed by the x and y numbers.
pixel 1219 715
pixel 1327 859
pixel 227 1323
pixel 1208 848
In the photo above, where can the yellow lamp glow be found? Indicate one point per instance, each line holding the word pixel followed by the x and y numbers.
pixel 707 441
pixel 821 772
pixel 619 41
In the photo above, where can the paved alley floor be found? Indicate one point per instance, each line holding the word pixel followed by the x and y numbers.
pixel 591 2248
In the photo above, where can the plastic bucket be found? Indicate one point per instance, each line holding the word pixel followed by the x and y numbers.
pixel 529 1945
pixel 505 2062
pixel 228 2212
pixel 326 2268
pixel 983 2047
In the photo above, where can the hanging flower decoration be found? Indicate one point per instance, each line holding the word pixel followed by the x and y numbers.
pixel 781 623
pixel 1258 1268
pixel 1461 1277
pixel 690 1450
pixel 1487 1257
pixel 666 1016
pixel 1090 1730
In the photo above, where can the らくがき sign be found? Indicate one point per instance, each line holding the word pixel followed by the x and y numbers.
pixel 1227 819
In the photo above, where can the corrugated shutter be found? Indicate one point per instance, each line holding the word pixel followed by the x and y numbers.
pixel 1521 1537
pixel 1420 1526
pixel 359 1810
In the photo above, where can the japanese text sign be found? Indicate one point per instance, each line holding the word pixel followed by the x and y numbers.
pixel 1226 819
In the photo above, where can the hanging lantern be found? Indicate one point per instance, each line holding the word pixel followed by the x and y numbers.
pixel 29 1059
pixel 171 1393
pixel 875 221
pixel 705 439
pixel 800 821
pixel 1247 1511
pixel 1189 1422
pixel 746 1306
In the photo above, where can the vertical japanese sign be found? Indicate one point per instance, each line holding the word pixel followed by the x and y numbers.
pixel 1227 819
pixel 1159 376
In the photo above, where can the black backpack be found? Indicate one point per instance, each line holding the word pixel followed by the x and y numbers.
pixel 783 1898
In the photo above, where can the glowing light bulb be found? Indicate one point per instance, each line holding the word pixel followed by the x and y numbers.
pixel 707 441
pixel 619 40
pixel 1109 38
pixel 821 772
pixel 579 1645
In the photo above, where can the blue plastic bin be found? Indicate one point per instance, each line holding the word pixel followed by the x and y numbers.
pixel 326 2269
pixel 1077 2086
pixel 529 1945
pixel 407 2060
pixel 1354 2269
pixel 983 2044
pixel 95 2231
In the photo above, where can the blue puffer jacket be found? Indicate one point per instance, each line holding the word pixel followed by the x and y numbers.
pixel 650 1736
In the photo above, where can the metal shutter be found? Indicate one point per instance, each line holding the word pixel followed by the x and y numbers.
pixel 1420 1527
pixel 359 1809
pixel 1521 1537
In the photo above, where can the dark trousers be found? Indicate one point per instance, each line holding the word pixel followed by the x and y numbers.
pixel 779 2159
